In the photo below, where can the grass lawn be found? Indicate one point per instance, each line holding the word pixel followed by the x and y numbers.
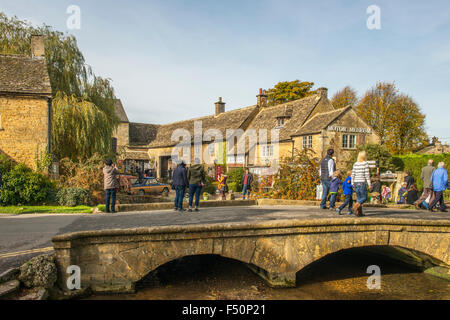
pixel 44 209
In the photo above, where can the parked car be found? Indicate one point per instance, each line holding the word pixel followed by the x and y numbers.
pixel 149 186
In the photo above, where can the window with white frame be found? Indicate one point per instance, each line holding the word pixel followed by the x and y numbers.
pixel 240 158
pixel 267 151
pixel 307 142
pixel 197 149
pixel 348 141
pixel 231 158
pixel 185 151
pixel 211 148
pixel 280 122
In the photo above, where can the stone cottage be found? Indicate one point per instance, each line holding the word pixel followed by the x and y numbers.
pixel 309 123
pixel 25 105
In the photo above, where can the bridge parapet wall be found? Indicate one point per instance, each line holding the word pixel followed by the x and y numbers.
pixel 114 260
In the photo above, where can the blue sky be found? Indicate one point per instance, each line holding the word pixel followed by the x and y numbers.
pixel 170 60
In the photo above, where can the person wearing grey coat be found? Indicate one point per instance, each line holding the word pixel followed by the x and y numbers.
pixel 426 174
pixel 111 183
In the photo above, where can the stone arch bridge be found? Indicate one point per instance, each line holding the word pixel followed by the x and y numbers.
pixel 114 260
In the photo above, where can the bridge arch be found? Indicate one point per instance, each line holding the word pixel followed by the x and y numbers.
pixel 114 260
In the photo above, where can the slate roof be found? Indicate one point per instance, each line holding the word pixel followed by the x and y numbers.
pixel 24 75
pixel 142 133
pixel 120 111
pixel 299 110
pixel 137 155
pixel 233 119
pixel 320 121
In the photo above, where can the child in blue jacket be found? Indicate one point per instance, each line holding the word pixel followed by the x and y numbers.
pixel 334 188
pixel 348 193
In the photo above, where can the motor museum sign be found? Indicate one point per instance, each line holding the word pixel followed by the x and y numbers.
pixel 349 130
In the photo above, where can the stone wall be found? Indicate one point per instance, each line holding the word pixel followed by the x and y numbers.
pixel 114 260
pixel 24 128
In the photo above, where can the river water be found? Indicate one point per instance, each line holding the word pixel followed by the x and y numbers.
pixel 339 276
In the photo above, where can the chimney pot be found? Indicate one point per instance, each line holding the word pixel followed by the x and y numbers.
pixel 220 106
pixel 37 46
pixel 261 99
pixel 323 92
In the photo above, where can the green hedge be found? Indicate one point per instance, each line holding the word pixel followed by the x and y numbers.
pixel 414 164
pixel 22 186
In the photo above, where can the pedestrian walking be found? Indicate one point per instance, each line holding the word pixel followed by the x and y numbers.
pixel 439 179
pixel 179 183
pixel 111 184
pixel 361 181
pixel 326 170
pixel 425 176
pixel 197 179
pixel 246 181
pixel 223 186
pixel 334 188
pixel 348 193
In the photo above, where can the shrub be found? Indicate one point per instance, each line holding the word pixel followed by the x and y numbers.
pixel 71 197
pixel 6 164
pixel 296 179
pixel 210 186
pixel 86 174
pixel 414 164
pixel 235 179
pixel 23 186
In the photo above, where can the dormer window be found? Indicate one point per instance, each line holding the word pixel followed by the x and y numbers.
pixel 280 122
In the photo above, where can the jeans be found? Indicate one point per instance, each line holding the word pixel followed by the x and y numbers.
pixel 110 198
pixel 333 197
pixel 325 191
pixel 179 196
pixel 361 192
pixel 245 191
pixel 438 197
pixel 194 189
pixel 348 201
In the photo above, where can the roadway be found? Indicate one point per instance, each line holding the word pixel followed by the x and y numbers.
pixel 25 236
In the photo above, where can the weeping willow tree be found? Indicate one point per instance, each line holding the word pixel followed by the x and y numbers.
pixel 79 95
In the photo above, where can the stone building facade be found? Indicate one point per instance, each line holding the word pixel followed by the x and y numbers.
pixel 25 105
pixel 435 147
pixel 308 123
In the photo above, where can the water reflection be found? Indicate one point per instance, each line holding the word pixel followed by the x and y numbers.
pixel 338 276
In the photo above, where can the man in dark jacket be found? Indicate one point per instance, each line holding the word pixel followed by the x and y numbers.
pixel 409 180
pixel 247 179
pixel 197 179
pixel 111 183
pixel 327 168
pixel 179 183
pixel 426 174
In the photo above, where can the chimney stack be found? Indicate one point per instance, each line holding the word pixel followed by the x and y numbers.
pixel 220 106
pixel 323 92
pixel 261 99
pixel 37 46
